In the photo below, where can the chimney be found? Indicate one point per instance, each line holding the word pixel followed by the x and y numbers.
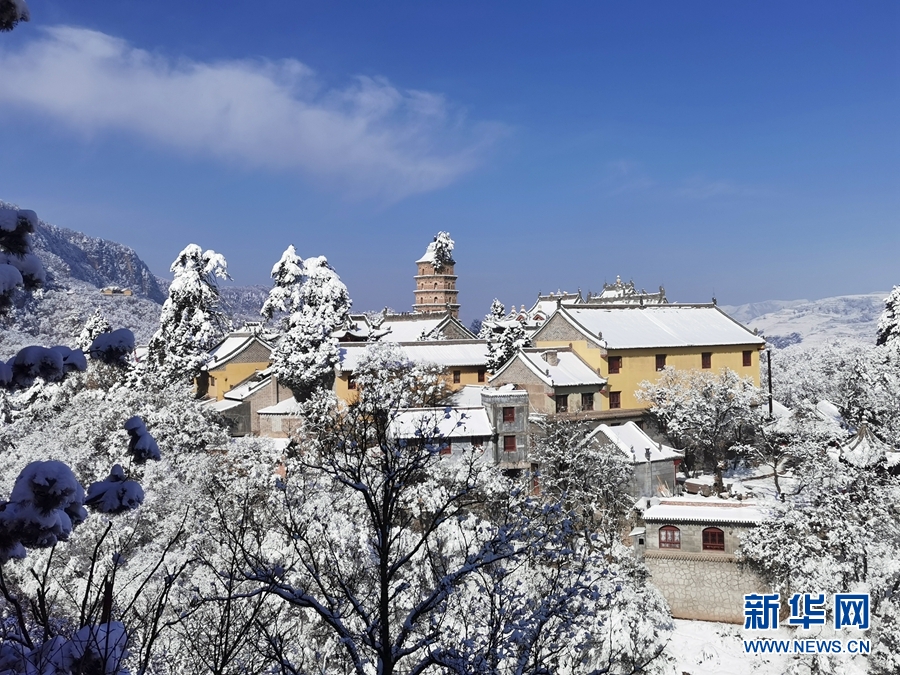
pixel 550 357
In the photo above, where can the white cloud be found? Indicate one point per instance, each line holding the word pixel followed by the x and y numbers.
pixel 369 138
pixel 699 187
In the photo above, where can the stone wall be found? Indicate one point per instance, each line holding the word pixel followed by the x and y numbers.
pixel 705 587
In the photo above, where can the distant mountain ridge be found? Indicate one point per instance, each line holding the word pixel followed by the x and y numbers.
pixel 100 262
pixel 787 322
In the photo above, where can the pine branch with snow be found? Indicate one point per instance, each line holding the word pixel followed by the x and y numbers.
pixel 19 267
pixel 12 12
pixel 889 322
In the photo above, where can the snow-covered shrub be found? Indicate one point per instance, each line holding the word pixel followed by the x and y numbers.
pixel 115 494
pixel 141 445
pixel 113 347
pixel 46 502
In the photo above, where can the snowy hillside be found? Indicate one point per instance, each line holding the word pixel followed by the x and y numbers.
pixel 787 322
pixel 69 254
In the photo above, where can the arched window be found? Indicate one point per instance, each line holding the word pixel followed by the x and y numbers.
pixel 669 537
pixel 713 539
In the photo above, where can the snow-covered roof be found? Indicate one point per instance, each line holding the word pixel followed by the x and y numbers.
pixel 633 443
pixel 626 327
pixel 409 330
pixel 231 346
pixel 568 371
pixel 446 353
pixel 864 449
pixel 428 256
pixel 250 386
pixel 677 510
pixel 468 396
pixel 829 411
pixel 288 406
pixel 224 404
pixel 456 422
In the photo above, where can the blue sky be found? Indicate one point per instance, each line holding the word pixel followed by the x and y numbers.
pixel 746 150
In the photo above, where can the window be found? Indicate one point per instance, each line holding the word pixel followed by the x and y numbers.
pixel 562 403
pixel 706 360
pixel 587 401
pixel 509 414
pixel 660 361
pixel 509 443
pixel 669 537
pixel 615 400
pixel 713 539
pixel 447 448
pixel 351 382
pixel 456 376
pixel 478 443
pixel 748 358
pixel 481 375
pixel 615 364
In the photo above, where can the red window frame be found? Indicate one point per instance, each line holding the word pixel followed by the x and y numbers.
pixel 562 403
pixel 587 401
pixel 706 360
pixel 615 365
pixel 447 448
pixel 509 444
pixel 660 362
pixel 713 539
pixel 615 400
pixel 509 414
pixel 669 537
pixel 482 375
pixel 457 376
pixel 748 358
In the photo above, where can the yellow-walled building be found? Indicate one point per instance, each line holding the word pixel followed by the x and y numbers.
pixel 462 361
pixel 231 362
pixel 627 345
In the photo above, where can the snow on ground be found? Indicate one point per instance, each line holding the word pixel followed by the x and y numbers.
pixel 813 322
pixel 711 647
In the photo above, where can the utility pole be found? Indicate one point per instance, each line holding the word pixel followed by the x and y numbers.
pixel 769 364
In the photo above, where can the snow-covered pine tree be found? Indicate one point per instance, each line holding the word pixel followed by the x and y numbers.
pixel 93 327
pixel 316 303
pixel 190 323
pixel 494 315
pixel 19 267
pixel 443 251
pixel 504 341
pixel 12 12
pixel 889 323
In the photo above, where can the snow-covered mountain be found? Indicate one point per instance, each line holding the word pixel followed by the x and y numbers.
pixel 787 322
pixel 67 254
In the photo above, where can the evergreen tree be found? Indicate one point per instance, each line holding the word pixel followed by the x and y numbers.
pixel 503 343
pixel 190 323
pixel 889 323
pixel 93 327
pixel 316 303
pixel 443 251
